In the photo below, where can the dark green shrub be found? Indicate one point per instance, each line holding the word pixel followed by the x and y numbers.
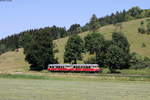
pixel 141 30
pixel 143 45
pixel 137 62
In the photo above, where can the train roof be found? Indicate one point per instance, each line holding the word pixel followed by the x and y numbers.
pixel 73 65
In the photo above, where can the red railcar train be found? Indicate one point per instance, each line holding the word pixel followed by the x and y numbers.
pixel 74 68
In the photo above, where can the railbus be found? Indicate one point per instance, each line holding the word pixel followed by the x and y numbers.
pixel 74 68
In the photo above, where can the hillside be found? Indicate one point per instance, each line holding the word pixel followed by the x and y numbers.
pixel 11 61
pixel 130 31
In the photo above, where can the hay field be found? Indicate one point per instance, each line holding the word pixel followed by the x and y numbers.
pixel 32 89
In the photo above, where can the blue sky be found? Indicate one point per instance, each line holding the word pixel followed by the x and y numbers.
pixel 20 15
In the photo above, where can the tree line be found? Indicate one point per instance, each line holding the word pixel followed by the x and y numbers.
pixel 15 41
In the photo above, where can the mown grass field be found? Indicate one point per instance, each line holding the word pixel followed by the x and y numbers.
pixel 36 89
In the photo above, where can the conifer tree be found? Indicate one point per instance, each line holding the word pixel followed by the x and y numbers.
pixel 94 23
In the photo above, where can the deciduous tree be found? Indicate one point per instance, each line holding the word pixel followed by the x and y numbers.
pixel 73 49
pixel 39 52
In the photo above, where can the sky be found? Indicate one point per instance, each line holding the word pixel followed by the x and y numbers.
pixel 19 15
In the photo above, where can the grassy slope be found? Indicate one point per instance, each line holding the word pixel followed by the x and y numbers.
pixel 130 31
pixel 14 61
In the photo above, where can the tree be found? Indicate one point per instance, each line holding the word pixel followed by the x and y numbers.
pixel 95 44
pixel 74 29
pixel 121 41
pixel 2 48
pixel 39 52
pixel 94 23
pixel 115 57
pixel 25 38
pixel 101 56
pixel 73 49
pixel 135 12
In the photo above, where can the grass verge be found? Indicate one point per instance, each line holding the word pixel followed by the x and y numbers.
pixel 84 77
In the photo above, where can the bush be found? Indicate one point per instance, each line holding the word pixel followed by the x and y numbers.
pixel 141 30
pixel 137 62
pixel 143 45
